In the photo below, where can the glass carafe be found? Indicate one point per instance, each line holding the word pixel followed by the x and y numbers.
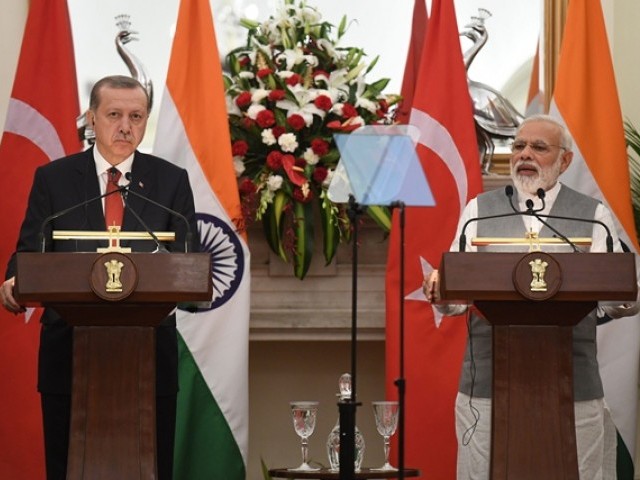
pixel 333 442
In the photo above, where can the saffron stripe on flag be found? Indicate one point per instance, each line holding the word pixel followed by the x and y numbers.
pixel 212 420
pixel 586 101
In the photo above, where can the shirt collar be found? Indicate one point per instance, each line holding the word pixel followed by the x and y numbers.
pixel 102 165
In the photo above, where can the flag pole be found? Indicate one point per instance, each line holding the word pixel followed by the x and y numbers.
pixel 401 381
pixel 347 407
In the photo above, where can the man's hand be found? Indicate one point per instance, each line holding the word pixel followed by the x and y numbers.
pixel 6 294
pixel 431 287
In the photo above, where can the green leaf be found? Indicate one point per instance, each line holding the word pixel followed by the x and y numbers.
pixel 303 227
pixel 274 226
pixel 372 64
pixel 376 87
pixel 330 229
pixel 380 215
pixel 265 470
pixel 248 23
pixel 343 26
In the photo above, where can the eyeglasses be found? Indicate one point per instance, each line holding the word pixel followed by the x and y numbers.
pixel 540 148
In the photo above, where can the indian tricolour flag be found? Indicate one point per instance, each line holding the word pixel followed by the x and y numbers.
pixel 212 423
pixel 586 101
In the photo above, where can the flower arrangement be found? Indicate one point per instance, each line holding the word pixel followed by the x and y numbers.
pixel 288 91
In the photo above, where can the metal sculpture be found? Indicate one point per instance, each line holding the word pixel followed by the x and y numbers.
pixel 495 117
pixel 135 66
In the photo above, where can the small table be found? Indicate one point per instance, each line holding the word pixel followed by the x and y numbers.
pixel 326 474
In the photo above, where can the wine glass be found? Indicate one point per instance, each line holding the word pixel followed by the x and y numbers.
pixel 386 414
pixel 304 422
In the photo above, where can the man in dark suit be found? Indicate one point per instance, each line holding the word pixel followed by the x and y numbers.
pixel 118 113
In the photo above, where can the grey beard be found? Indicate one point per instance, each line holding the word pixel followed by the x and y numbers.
pixel 545 179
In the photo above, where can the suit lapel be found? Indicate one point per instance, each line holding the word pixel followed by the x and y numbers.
pixel 142 183
pixel 90 188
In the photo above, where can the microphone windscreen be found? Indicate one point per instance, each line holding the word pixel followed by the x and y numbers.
pixel 508 190
pixel 541 193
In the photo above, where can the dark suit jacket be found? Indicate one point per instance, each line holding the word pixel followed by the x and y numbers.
pixel 70 181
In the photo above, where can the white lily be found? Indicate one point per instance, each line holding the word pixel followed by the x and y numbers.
pixel 336 86
pixel 232 108
pixel 259 94
pixel 295 56
pixel 361 101
pixel 303 105
pixel 329 47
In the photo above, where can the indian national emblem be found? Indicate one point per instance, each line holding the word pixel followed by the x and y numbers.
pixel 114 269
pixel 538 269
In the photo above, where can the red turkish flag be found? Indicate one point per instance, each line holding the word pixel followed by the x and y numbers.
pixel 412 66
pixel 40 127
pixel 443 112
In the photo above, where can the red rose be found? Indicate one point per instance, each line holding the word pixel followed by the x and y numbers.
pixel 299 195
pixel 248 123
pixel 296 122
pixel 320 73
pixel 294 79
pixel 264 72
pixel 319 147
pixel 247 186
pixel 239 147
pixel 243 99
pixel 323 103
pixel 275 95
pixel 349 111
pixel 277 131
pixel 244 61
pixel 274 160
pixel 320 173
pixel 265 118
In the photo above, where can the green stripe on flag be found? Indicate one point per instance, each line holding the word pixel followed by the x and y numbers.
pixel 205 446
pixel 624 462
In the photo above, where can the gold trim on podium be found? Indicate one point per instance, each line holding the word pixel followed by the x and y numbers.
pixel 106 235
pixel 486 241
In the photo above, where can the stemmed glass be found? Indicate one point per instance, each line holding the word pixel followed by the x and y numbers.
pixel 386 414
pixel 304 423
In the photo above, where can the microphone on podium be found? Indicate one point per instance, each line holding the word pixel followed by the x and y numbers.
pixel 188 234
pixel 462 240
pixel 540 193
pixel 70 209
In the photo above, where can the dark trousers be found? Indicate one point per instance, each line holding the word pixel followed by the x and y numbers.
pixel 56 416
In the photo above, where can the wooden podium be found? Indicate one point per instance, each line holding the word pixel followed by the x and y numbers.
pixel 532 313
pixel 114 301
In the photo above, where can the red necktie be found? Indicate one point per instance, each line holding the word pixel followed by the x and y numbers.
pixel 113 207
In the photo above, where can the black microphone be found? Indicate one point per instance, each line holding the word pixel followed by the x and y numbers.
pixel 540 193
pixel 159 246
pixel 61 213
pixel 508 190
pixel 188 235
pixel 462 241
pixel 609 238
